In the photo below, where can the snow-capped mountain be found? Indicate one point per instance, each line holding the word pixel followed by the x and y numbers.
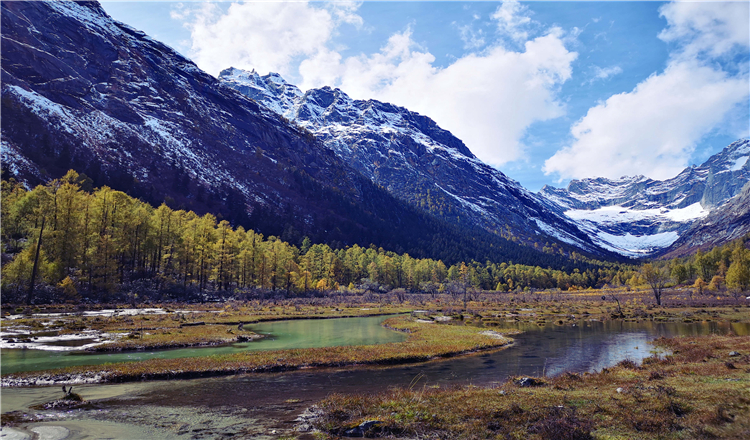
pixel 414 159
pixel 639 216
pixel 82 91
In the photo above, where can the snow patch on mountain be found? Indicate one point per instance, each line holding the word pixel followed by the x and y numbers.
pixel 560 235
pixel 43 106
pixel 636 245
pixel 739 163
pixel 619 214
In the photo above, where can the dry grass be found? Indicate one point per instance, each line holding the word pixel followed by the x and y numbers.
pixel 691 394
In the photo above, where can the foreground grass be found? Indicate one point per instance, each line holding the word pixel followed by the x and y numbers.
pixel 425 341
pixel 699 391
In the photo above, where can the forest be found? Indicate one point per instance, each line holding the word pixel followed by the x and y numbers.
pixel 69 242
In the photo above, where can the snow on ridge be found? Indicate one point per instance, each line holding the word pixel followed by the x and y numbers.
pixel 88 17
pixel 15 161
pixel 43 106
pixel 97 127
pixel 287 100
pixel 275 78
pixel 743 148
pixel 602 189
pixel 239 75
pixel 464 202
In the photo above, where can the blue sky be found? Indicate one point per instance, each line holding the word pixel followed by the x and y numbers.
pixel 544 91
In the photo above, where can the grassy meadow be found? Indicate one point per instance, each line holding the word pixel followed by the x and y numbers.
pixel 701 389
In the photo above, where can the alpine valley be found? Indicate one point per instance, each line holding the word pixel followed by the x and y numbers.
pixel 413 158
pixel 83 91
pixel 420 163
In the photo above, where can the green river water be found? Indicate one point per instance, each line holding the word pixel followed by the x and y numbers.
pixel 305 333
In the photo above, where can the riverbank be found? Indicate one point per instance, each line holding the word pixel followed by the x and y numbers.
pixel 700 390
pixel 425 341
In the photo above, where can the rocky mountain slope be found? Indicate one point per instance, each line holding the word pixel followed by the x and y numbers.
pixel 414 159
pixel 85 92
pixel 82 91
pixel 639 216
pixel 728 222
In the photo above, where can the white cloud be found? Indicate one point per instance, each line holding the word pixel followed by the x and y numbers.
pixel 487 99
pixel 473 39
pixel 604 73
pixel 512 20
pixel 267 36
pixel 653 129
pixel 710 28
pixel 345 11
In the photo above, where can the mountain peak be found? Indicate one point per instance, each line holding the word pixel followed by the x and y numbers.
pixel 271 89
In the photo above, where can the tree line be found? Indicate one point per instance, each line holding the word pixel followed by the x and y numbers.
pixel 66 241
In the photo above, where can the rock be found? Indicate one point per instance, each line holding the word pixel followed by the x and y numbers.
pixel 362 429
pixel 529 382
pixel 9 433
pixel 50 432
pixel 63 404
pixel 492 334
pixel 620 390
pixel 304 423
pixel 733 353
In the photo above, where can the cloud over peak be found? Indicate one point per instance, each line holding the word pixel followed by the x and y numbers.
pixel 488 99
pixel 653 129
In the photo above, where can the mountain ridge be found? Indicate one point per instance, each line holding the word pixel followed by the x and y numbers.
pixel 414 159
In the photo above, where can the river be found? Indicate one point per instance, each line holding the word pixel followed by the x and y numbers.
pixel 265 405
